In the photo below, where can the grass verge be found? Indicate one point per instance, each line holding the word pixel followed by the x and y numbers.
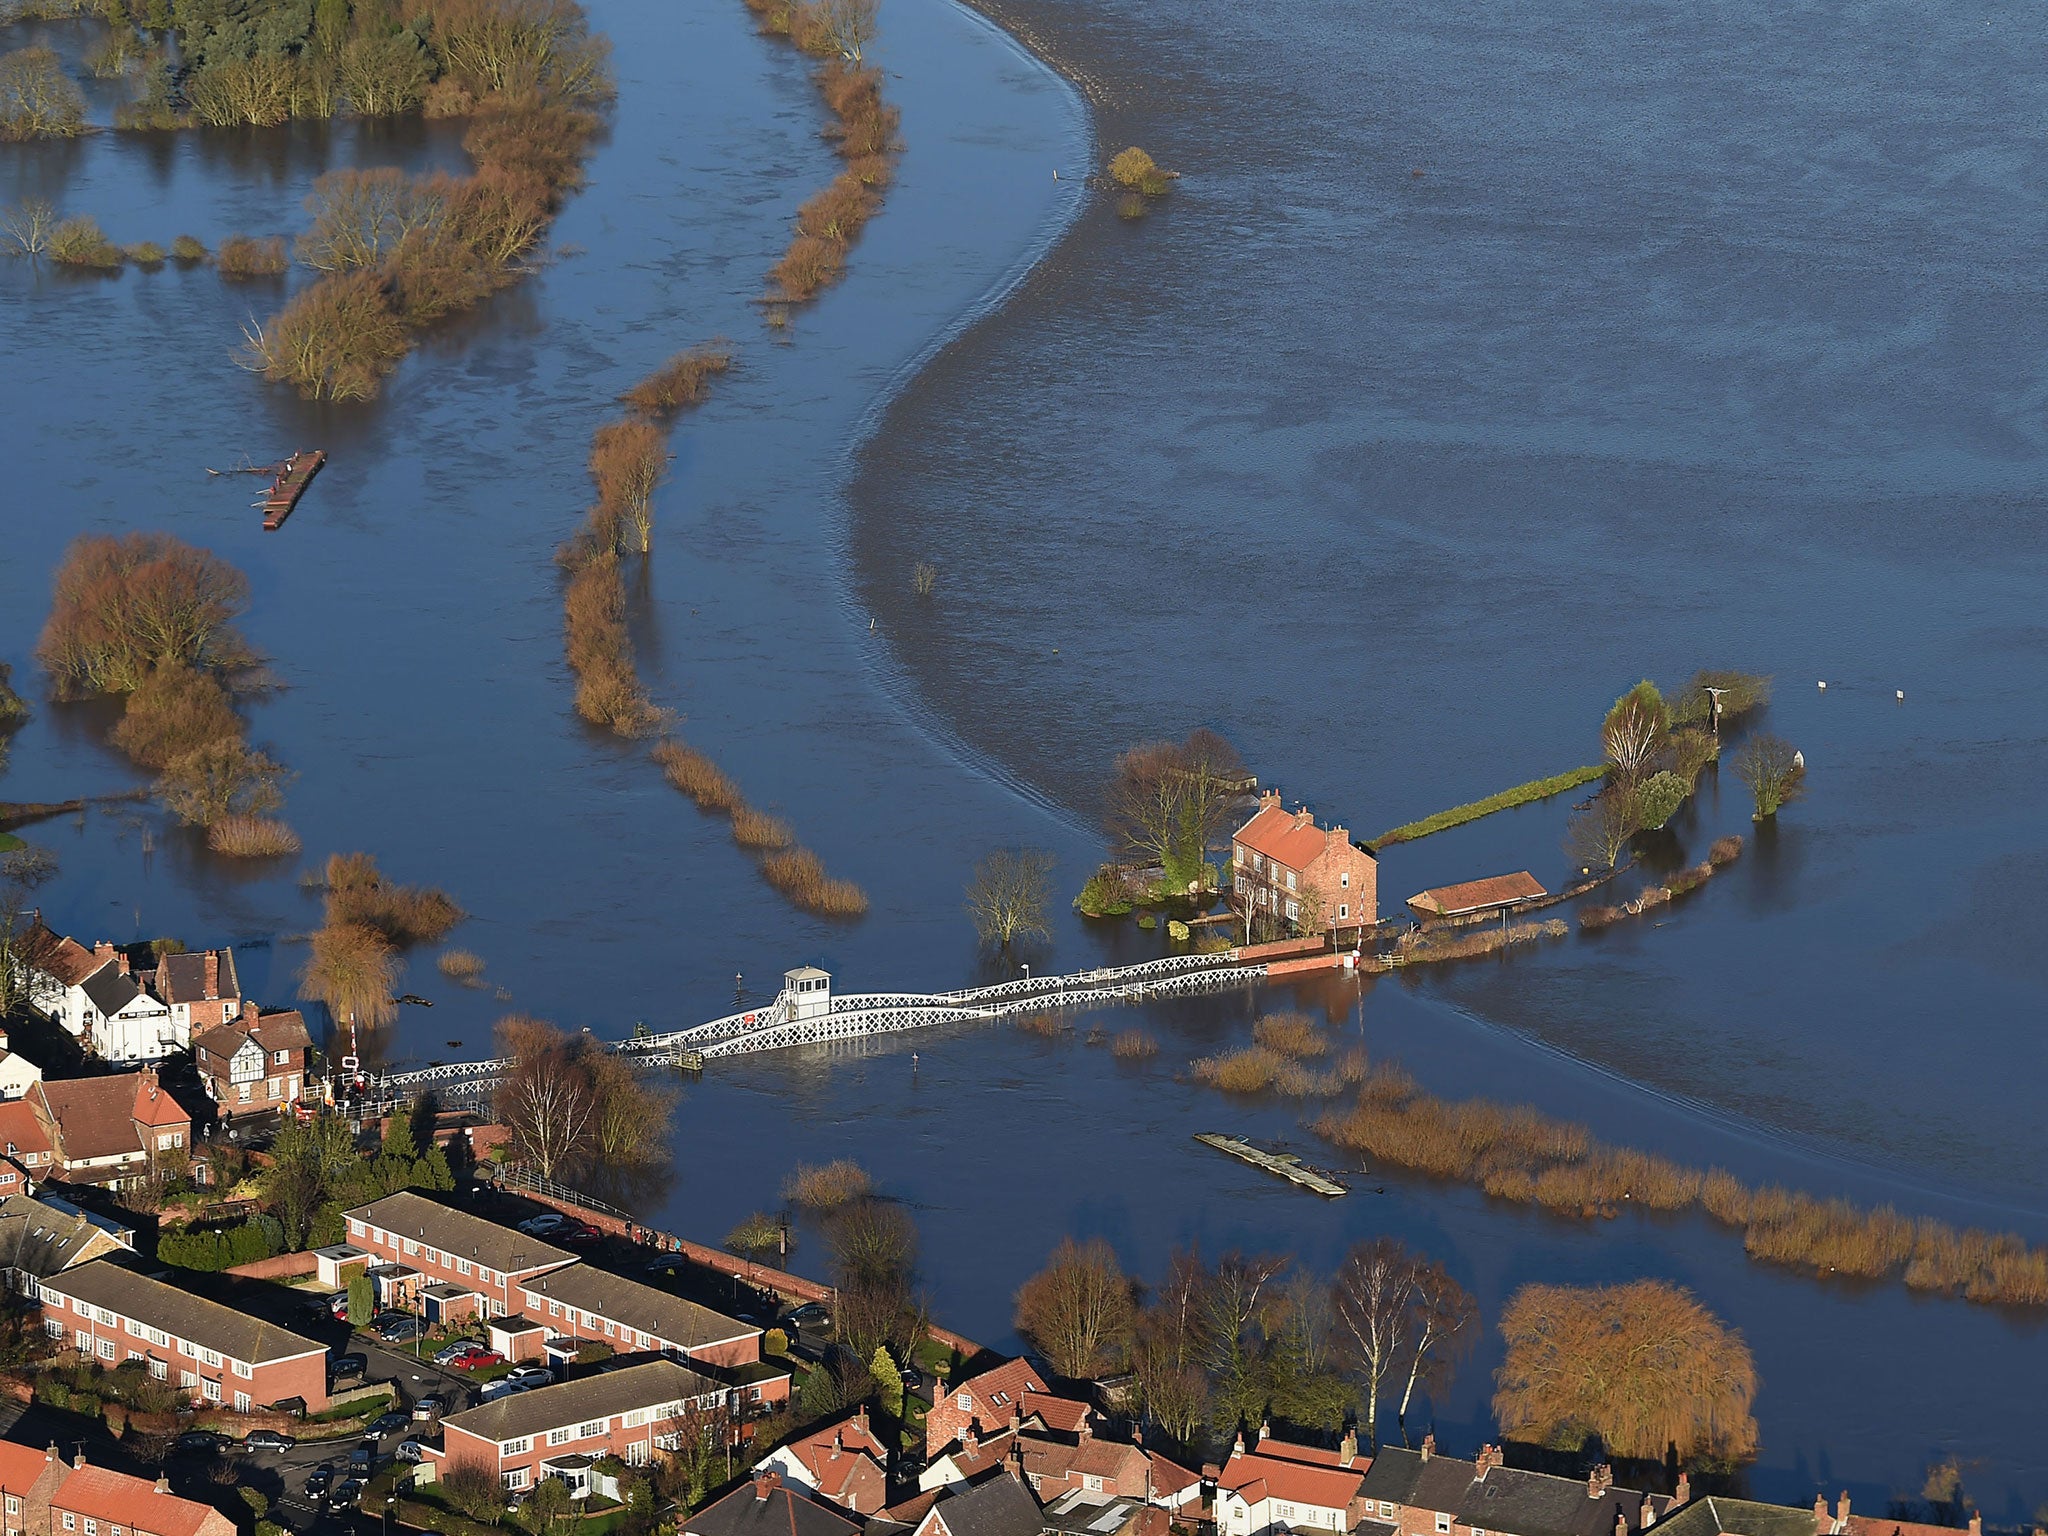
pixel 1507 799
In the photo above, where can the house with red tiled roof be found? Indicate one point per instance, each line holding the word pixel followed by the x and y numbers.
pixel 97 1501
pixel 1292 871
pixel 26 1142
pixel 105 1130
pixel 254 1062
pixel 27 1479
pixel 985 1404
pixel 1475 898
pixel 54 969
pixel 1260 1491
pixel 845 1464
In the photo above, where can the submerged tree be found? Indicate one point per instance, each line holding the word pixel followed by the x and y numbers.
pixel 38 99
pixel 1078 1311
pixel 1010 895
pixel 1633 733
pixel 1596 835
pixel 1642 1365
pixel 1774 773
pixel 1167 801
pixel 124 606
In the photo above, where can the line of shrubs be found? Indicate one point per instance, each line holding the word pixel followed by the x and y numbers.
pixel 1725 851
pixel 213 1250
pixel 863 131
pixel 1518 1153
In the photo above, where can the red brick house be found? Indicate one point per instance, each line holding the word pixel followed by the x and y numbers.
pixel 1419 1493
pixel 448 1246
pixel 212 1353
pixel 25 1143
pixel 845 1464
pixel 578 1302
pixel 1284 865
pixel 44 1494
pixel 1056 1464
pixel 201 990
pixel 254 1061
pixel 985 1404
pixel 105 1130
pixel 556 1431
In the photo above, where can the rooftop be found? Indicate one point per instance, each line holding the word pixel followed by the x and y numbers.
pixel 656 1384
pixel 1253 1477
pixel 765 1506
pixel 179 1312
pixel 641 1307
pixel 40 1241
pixel 998 1507
pixel 135 1502
pixel 182 978
pixel 410 1214
pixel 1288 838
pixel 1477 895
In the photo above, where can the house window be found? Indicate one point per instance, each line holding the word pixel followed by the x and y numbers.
pixel 210 1390
pixel 517 1447
pixel 591 1430
pixel 636 1419
pixel 1293 910
pixel 1290 881
pixel 13 1505
pixel 1443 1525
pixel 283 1058
pixel 1344 879
pixel 516 1478
pixel 54 1327
pixel 135 1328
pixel 964 1401
pixel 411 1246
pixel 158 1369
pixel 462 1266
pixel 105 1316
pixel 1386 1510
pixel 1343 909
pixel 70 1521
pixel 241 1402
pixel 243 1370
pixel 560 1436
pixel 276 1089
pixel 106 1349
pixel 210 1356
pixel 188 1380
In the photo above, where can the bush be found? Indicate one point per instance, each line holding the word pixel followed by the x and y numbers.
pixel 461 965
pixel 359 895
pixel 37 98
pixel 775 1343
pixel 826 1187
pixel 243 257
pixel 697 776
pixel 177 710
pixel 146 253
pixel 80 242
pixel 220 780
pixel 252 837
pixel 683 380
pixel 1107 894
pixel 757 829
pixel 1726 851
pixel 1658 798
pixel 1135 171
pixel 335 341
pixel 800 875
pixel 1046 1026
pixel 1290 1034
pixel 187 249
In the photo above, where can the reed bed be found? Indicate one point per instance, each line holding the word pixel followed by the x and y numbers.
pixel 753 828
pixel 697 776
pixel 243 257
pixel 863 131
pixel 252 837
pixel 1047 1026
pixel 800 875
pixel 1724 852
pixel 1290 1034
pixel 1517 1153
pixel 1261 1069
pixel 189 248
pixel 1133 1045
pixel 827 1186
pixel 359 896
pixel 1469 943
pixel 461 965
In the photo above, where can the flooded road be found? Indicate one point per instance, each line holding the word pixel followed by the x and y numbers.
pixel 1396 479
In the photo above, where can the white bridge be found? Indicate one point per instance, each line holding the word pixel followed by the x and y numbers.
pixel 806 1012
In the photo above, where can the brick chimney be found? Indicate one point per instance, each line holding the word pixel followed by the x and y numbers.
pixel 1347 1448
pixel 1488 1458
pixel 79 1459
pixel 1821 1523
pixel 1648 1517
pixel 1237 1448
pixel 1842 1511
pixel 766 1484
pixel 1269 799
pixel 1682 1494
pixel 1265 1430
pixel 1620 1524
pixel 50 1455
pixel 250 1012
pixel 213 973
pixel 163 1483
pixel 1599 1480
pixel 1976 1523
pixel 969 1442
pixel 1428 1446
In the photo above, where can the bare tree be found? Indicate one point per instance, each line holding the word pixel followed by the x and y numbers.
pixel 1643 1365
pixel 361 218
pixel 850 24
pixel 1633 733
pixel 545 1097
pixel 1238 1300
pixel 1374 1293
pixel 219 780
pixel 123 606
pixel 1078 1310
pixel 1774 773
pixel 1010 894
pixel 1166 1354
pixel 1595 836
pixel 25 944
pixel 37 98
pixel 1166 801
pixel 630 1123
pixel 1443 1330
pixel 627 460
pixel 29 224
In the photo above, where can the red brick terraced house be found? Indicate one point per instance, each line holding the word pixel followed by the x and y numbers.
pixel 106 1129
pixel 560 1430
pixel 210 1352
pixel 1285 865
pixel 255 1061
pixel 44 1495
pixel 27 1146
pixel 452 1247
pixel 845 1464
pixel 578 1302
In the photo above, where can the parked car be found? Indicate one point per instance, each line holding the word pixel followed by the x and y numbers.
pixel 199 1442
pixel 384 1424
pixel 387 1317
pixel 811 1314
pixel 347 1495
pixel 362 1461
pixel 477 1359
pixel 544 1225
pixel 577 1235
pixel 428 1406
pixel 411 1450
pixel 337 1304
pixel 448 1354
pixel 530 1376
pixel 504 1386
pixel 913 1378
pixel 404 1331
pixel 321 1480
pixel 269 1440
pixel 348 1365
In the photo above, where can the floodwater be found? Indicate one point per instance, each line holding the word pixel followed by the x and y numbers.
pixel 1712 344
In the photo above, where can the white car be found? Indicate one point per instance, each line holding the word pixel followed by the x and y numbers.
pixel 411 1450
pixel 543 1224
pixel 531 1376
pixel 504 1386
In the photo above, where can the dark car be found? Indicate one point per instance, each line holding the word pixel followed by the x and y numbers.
pixel 321 1480
pixel 810 1315
pixel 404 1331
pixel 362 1461
pixel 349 1365
pixel 199 1442
pixel 913 1378
pixel 348 1495
pixel 269 1440
pixel 384 1424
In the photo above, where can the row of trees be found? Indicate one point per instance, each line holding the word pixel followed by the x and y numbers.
pixel 315 1173
pixel 1223 1346
pixel 38 100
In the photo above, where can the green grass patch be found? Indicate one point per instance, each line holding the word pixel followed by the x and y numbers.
pixel 361 1408
pixel 9 842
pixel 1458 815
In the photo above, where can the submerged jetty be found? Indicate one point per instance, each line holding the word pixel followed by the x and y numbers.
pixel 1286 1164
pixel 292 478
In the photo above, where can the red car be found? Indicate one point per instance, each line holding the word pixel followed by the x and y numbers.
pixel 476 1359
pixel 578 1236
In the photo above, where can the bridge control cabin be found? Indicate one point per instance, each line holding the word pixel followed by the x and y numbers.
pixel 809 991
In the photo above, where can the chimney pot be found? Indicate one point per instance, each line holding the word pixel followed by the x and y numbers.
pixel 1488 1458
pixel 1682 1494
pixel 79 1459
pixel 213 973
pixel 1821 1523
pixel 1842 1509
pixel 163 1483
pixel 1428 1446
pixel 1237 1447
pixel 1620 1524
pixel 1976 1523
pixel 1265 1429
